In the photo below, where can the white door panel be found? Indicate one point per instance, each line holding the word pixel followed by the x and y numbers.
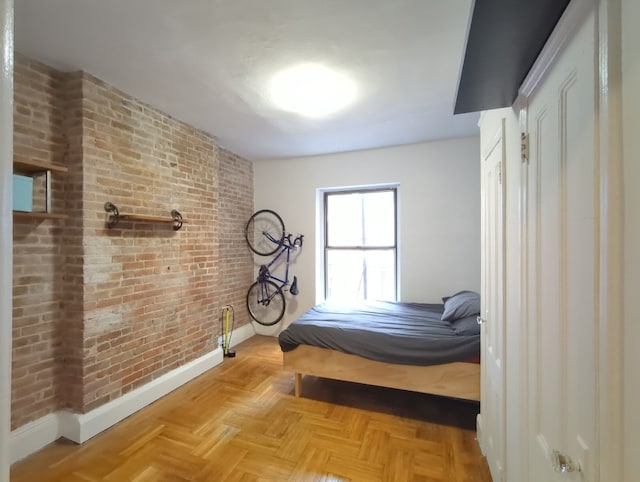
pixel 562 263
pixel 493 413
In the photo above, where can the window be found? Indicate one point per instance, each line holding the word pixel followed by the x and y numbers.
pixel 360 244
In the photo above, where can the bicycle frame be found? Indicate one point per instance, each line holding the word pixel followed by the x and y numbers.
pixel 286 246
pixel 266 296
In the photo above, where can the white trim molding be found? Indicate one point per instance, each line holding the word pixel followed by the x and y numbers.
pixel 6 229
pixel 81 427
pixel 612 264
pixel 33 436
pixel 480 433
pixel 565 29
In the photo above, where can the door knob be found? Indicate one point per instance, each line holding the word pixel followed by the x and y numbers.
pixel 562 463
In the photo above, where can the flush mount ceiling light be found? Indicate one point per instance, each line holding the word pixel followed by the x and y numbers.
pixel 311 90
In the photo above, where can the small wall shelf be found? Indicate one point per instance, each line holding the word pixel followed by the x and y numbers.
pixel 115 216
pixel 28 216
pixel 35 168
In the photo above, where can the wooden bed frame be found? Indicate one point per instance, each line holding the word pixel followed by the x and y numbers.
pixel 457 380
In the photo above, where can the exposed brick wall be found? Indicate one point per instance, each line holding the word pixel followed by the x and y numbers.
pixel 150 295
pixel 133 302
pixel 236 207
pixel 71 359
pixel 37 258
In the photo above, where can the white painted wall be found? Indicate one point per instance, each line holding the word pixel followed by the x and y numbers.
pixel 631 150
pixel 439 212
pixel 6 228
pixel 515 369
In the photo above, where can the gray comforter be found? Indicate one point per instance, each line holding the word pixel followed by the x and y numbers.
pixel 393 332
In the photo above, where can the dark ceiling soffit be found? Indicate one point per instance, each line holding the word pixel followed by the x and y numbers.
pixel 504 39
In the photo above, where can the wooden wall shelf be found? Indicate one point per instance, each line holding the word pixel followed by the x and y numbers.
pixel 34 167
pixel 115 216
pixel 25 216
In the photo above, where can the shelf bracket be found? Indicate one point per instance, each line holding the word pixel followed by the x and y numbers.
pixel 177 219
pixel 114 214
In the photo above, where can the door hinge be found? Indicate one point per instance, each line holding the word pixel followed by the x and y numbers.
pixel 500 172
pixel 524 146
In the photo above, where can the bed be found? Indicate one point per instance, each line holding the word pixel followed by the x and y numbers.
pixel 427 348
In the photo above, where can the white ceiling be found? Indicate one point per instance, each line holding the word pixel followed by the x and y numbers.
pixel 208 63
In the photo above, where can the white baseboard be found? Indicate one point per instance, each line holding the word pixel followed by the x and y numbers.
pixel 480 433
pixel 33 436
pixel 267 330
pixel 239 335
pixel 81 427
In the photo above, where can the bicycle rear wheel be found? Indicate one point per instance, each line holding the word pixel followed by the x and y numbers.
pixel 264 232
pixel 265 302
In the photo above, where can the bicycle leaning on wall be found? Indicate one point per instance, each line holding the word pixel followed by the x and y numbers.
pixel 266 236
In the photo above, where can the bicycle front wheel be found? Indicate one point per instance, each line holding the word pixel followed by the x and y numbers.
pixel 264 232
pixel 265 302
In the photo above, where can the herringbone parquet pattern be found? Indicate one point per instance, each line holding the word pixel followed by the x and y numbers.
pixel 240 422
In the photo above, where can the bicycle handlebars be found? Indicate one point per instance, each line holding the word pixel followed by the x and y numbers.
pixel 297 242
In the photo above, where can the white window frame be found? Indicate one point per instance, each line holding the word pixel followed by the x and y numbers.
pixel 321 232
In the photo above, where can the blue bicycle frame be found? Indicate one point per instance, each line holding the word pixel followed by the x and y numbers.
pixel 266 301
pixel 264 274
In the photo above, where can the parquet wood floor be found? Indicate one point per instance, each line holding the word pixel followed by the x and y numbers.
pixel 240 422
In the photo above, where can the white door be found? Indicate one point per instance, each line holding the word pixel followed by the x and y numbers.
pixel 491 421
pixel 561 249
